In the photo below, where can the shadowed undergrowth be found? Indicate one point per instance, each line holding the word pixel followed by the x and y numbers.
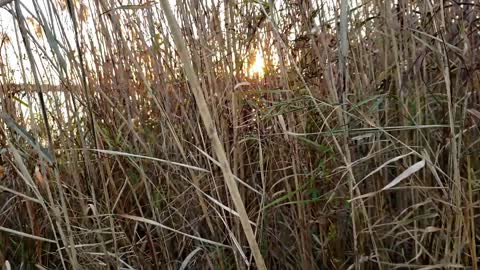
pixel 131 142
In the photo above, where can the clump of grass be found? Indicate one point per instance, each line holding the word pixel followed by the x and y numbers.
pixel 136 136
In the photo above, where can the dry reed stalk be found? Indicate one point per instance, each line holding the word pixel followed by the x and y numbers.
pixel 353 151
pixel 212 132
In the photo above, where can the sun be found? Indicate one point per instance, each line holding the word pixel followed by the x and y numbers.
pixel 257 68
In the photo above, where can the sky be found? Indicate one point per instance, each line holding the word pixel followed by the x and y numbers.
pixel 8 26
pixel 9 52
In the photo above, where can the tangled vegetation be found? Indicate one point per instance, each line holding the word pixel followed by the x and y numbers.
pixel 239 134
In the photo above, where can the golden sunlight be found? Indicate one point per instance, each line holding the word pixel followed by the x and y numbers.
pixel 257 68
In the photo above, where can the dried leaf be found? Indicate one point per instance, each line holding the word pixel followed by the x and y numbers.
pixel 411 170
pixel 189 258
pixel 431 229
pixel 155 223
pixel 39 177
pixel 240 85
pixel 7 265
pixel 383 166
pixel 474 113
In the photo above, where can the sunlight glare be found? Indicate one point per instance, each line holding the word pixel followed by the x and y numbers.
pixel 257 67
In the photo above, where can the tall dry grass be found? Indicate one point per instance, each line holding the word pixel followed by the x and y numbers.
pixel 133 136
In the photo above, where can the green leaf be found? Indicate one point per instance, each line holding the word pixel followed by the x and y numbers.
pixel 21 101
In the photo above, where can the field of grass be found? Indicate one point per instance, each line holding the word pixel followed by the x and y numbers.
pixel 239 134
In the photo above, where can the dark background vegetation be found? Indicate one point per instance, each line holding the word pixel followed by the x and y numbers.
pixel 356 149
